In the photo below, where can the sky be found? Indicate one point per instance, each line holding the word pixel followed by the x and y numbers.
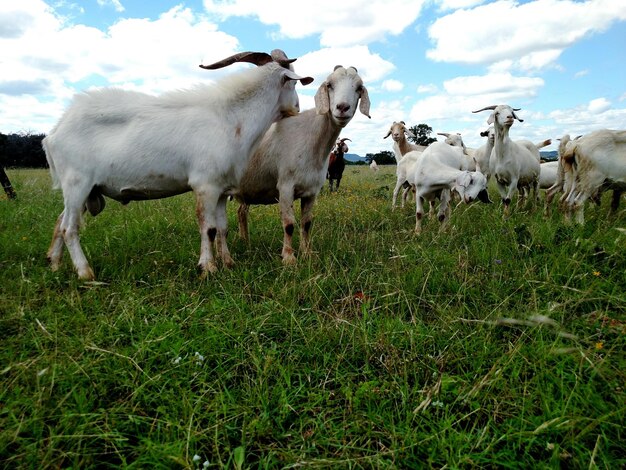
pixel 563 62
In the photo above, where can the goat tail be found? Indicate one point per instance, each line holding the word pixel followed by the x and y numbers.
pixel 56 183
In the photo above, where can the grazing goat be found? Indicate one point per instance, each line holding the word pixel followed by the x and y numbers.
pixel 336 163
pixel 131 146
pixel 292 159
pixel 374 166
pixel 512 164
pixel 6 184
pixel 437 172
pixel 599 160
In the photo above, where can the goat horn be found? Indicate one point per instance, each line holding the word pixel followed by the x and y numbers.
pixel 516 109
pixel 444 134
pixel 492 107
pixel 256 58
pixel 345 138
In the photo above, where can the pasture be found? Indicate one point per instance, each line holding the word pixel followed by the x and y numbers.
pixel 495 343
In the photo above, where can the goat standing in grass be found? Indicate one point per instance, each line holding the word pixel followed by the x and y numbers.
pixel 292 160
pixel 513 164
pixel 336 163
pixel 131 146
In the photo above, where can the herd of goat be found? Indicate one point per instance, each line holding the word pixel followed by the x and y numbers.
pixel 245 138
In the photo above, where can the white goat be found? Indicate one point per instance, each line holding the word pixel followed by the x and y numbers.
pixel 404 170
pixel 374 166
pixel 599 159
pixel 292 160
pixel 512 164
pixel 565 176
pixel 130 146
pixel 482 154
pixel 456 140
pixel 437 172
pixel 548 173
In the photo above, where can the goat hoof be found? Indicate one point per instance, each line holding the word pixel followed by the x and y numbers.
pixel 54 264
pixel 210 268
pixel 86 274
pixel 289 260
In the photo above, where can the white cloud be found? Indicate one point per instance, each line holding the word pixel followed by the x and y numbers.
pixel 599 105
pixel 581 73
pixel 533 36
pixel 429 88
pixel 319 64
pixel 392 85
pixel 344 23
pixel 46 56
pixel 456 4
pixel 114 3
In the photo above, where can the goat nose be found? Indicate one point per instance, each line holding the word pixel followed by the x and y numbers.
pixel 343 107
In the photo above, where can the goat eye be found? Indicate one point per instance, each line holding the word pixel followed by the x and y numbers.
pixel 329 86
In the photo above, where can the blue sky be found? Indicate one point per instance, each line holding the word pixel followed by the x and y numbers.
pixel 423 61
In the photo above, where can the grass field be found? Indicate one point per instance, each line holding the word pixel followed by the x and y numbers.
pixel 493 344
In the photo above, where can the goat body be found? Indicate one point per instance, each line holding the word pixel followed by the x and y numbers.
pixel 336 163
pixel 131 146
pixel 293 157
pixel 599 161
pixel 513 165
pixel 439 171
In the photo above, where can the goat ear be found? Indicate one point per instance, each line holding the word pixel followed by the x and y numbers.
pixel 492 118
pixel 364 105
pixel 388 134
pixel 515 115
pixel 322 101
pixel 289 75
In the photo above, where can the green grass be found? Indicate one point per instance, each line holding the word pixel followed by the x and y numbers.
pixel 494 343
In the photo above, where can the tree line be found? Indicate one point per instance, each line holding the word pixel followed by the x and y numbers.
pixel 22 150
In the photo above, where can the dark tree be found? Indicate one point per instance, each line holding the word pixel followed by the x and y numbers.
pixel 384 157
pixel 22 150
pixel 422 134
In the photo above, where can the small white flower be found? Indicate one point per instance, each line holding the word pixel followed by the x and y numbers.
pixel 437 403
pixel 205 464
pixel 177 360
pixel 196 458
pixel 199 358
